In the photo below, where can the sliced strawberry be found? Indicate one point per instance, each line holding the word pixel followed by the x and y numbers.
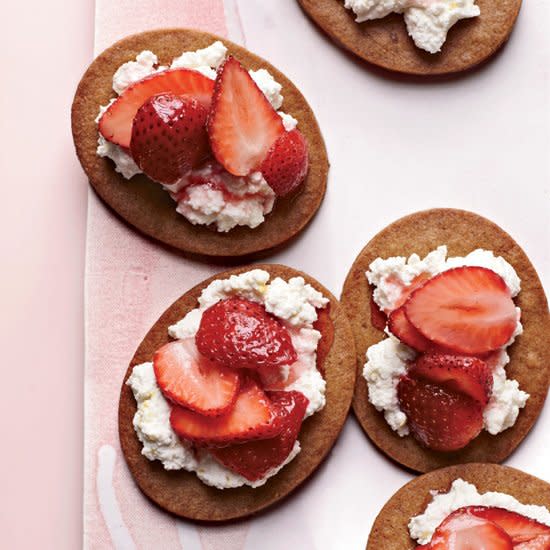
pixel 255 459
pixel 439 419
pixel 325 326
pixel 459 373
pixel 464 531
pixel 287 162
pixel 241 334
pixel 467 309
pixel 417 282
pixel 116 123
pixel 519 528
pixel 193 381
pixel 169 137
pixel 378 318
pixel 251 417
pixel 242 124
pixel 542 542
pixel 401 328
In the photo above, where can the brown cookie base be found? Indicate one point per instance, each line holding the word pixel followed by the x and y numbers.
pixel 143 203
pixel 182 493
pixel 385 42
pixel 390 530
pixel 529 364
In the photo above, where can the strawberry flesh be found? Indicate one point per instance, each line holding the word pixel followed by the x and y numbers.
pixel 242 124
pixel 401 328
pixel 542 542
pixel 193 381
pixel 466 309
pixel 169 137
pixel 464 531
pixel 287 162
pixel 239 333
pixel 254 459
pixel 459 373
pixel 439 419
pixel 251 417
pixel 115 125
pixel 519 528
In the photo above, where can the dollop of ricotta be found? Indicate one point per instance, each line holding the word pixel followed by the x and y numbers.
pixel 428 21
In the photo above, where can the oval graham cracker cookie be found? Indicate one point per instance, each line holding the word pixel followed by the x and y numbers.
pixel 144 204
pixel 384 42
pixel 181 492
pixel 529 364
pixel 390 529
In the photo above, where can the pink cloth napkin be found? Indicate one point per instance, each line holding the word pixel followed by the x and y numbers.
pixel 130 281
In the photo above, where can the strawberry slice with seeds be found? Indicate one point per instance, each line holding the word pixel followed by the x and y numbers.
pixel 193 381
pixel 287 162
pixel 466 309
pixel 251 417
pixel 242 124
pixel 459 373
pixel 116 123
pixel 401 328
pixel 439 419
pixel 239 333
pixel 464 531
pixel 519 528
pixel 255 459
pixel 169 137
pixel 325 326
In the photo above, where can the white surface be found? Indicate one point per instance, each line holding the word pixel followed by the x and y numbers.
pixel 396 145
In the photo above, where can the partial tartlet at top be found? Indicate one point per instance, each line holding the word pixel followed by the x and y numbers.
pixel 182 134
pixel 237 393
pixel 451 355
pixel 410 36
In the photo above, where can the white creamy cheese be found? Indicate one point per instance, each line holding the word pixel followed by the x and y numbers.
pixel 226 200
pixel 461 494
pixel 386 363
pixel 428 21
pixel 387 360
pixel 252 197
pixel 152 419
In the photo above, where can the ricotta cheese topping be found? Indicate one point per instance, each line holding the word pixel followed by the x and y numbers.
pixel 428 21
pixel 296 309
pixel 462 493
pixel 237 201
pixel 388 360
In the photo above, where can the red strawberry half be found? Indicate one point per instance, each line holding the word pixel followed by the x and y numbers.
pixel 401 328
pixel 466 309
pixel 439 419
pixel 286 164
pixel 241 334
pixel 464 531
pixel 255 459
pixel 325 326
pixel 519 528
pixel 242 124
pixel 459 373
pixel 169 137
pixel 251 417
pixel 193 381
pixel 542 542
pixel 116 123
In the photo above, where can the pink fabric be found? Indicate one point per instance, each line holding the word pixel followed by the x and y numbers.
pixel 130 280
